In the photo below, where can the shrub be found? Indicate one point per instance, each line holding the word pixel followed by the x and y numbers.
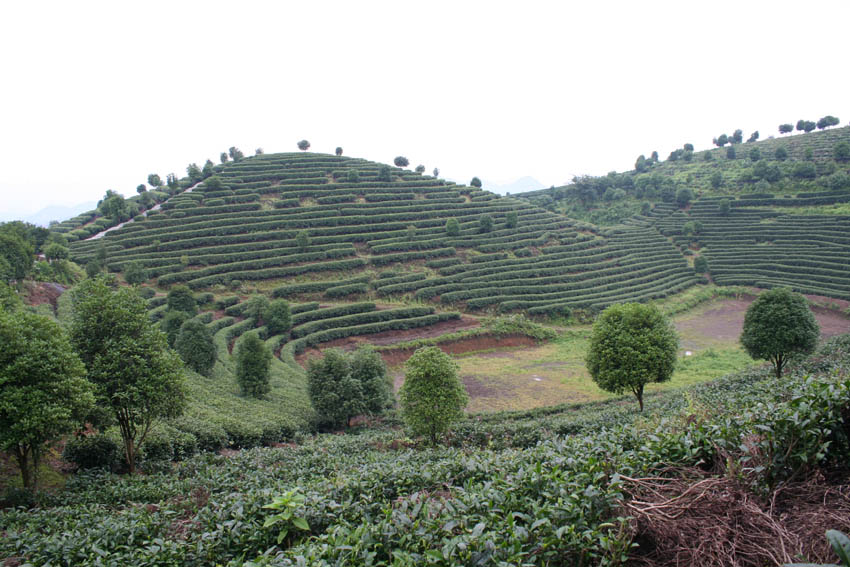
pixel 730 152
pixel 700 265
pixel 485 223
pixel 194 344
pixel 841 151
pixel 683 197
pixel 278 317
pixel 181 298
pixel 253 360
pixel 452 227
pixel 781 153
pixel 432 397
pixel 93 452
pixel 171 324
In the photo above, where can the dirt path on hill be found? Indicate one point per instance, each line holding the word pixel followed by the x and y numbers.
pixel 156 207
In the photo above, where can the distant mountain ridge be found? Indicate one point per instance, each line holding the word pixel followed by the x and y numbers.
pixel 50 213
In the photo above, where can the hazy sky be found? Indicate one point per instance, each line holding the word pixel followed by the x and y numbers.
pixel 96 95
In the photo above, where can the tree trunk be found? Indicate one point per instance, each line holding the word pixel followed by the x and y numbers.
pixel 639 395
pixel 21 455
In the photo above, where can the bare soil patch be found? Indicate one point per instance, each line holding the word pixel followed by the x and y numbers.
pixel 724 320
pixel 41 293
pixel 391 337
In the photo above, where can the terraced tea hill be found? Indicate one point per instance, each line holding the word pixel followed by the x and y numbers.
pixel 754 245
pixel 314 226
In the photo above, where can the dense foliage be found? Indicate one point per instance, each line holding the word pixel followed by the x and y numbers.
pixel 631 345
pixel 432 396
pixel 779 325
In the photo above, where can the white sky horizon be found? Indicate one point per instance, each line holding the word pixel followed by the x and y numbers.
pixel 97 95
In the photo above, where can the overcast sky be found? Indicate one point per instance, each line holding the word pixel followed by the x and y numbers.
pixel 96 95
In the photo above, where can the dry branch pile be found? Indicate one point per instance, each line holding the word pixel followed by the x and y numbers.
pixel 693 518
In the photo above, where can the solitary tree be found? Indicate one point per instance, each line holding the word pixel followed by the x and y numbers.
pixel 401 161
pixel 700 265
pixel 223 157
pixel 753 137
pixel 737 137
pixel 721 140
pixel 194 344
pixel 253 361
pixel 55 251
pixel 781 153
pixel 724 207
pixel 235 153
pixel 384 174
pixel 338 151
pixel 432 397
pixel 135 273
pixel 278 317
pixel 778 325
pixel 452 227
pixel 302 239
pixel 755 154
pixel 170 324
pixel 181 298
pixel 420 169
pixel 44 392
pixel 303 145
pixel 353 176
pixel 475 182
pixel 194 172
pixel 256 307
pixel 730 152
pixel 631 345
pixel 436 172
pixel 511 219
pixel 154 180
pixel 827 121
pixel 785 128
pixel 683 197
pixel 485 223
pixel 113 205
pixel 368 368
pixel 141 188
pixel 335 394
pixel 259 152
pixel 136 376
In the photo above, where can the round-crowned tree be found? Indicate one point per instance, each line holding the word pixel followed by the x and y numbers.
pixel 303 145
pixel 632 344
pixel 475 182
pixel 171 324
pixel 335 394
pixel 368 368
pixel 401 161
pixel 485 223
pixel 700 265
pixel 779 325
pixel 194 344
pixel 135 273
pixel 420 169
pixel 432 397
pixel 253 360
pixel 452 227
pixel 338 150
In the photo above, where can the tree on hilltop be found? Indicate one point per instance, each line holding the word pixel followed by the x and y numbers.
pixel 208 170
pixel 401 161
pixel 141 188
pixel 785 128
pixel 778 325
pixel 436 172
pixel 631 345
pixel 753 137
pixel 721 140
pixel 154 180
pixel 737 137
pixel 338 151
pixel 303 145
pixel 420 169
pixel 44 394
pixel 235 153
pixel 475 182
pixel 827 121
pixel 223 157
pixel 259 152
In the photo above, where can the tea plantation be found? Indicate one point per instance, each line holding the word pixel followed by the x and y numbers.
pixel 548 487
